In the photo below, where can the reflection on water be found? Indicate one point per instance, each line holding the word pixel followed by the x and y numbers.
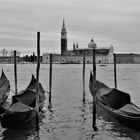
pixel 23 134
pixel 70 118
pixel 51 121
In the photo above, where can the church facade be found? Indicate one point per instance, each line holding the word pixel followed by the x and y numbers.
pixel 103 55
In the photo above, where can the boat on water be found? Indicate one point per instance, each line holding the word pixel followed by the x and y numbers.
pixel 4 88
pixel 103 65
pixel 116 103
pixel 22 111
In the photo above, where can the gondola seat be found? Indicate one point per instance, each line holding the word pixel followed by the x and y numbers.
pixel 129 109
pixel 115 98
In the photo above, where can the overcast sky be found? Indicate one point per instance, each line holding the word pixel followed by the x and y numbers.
pixel 115 22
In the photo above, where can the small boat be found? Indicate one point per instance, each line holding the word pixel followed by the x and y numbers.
pixel 63 62
pixel 22 111
pixel 103 65
pixel 116 103
pixel 4 88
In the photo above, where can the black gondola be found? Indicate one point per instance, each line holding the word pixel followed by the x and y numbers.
pixel 22 111
pixel 116 103
pixel 4 88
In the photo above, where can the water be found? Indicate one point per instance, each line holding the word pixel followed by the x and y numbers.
pixel 69 118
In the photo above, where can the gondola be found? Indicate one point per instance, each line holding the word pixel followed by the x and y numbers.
pixel 116 103
pixel 28 96
pixel 4 88
pixel 22 111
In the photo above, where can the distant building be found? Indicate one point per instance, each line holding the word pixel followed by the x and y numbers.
pixel 103 55
pixel 128 58
pixel 9 59
pixel 137 58
pixel 124 58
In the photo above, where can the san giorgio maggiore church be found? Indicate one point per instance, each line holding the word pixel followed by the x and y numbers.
pixel 103 55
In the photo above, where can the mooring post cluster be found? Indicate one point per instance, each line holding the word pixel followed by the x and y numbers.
pixel 50 80
pixel 37 107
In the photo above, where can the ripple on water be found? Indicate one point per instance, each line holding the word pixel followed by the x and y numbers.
pixel 69 118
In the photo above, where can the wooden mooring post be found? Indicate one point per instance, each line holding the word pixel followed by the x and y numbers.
pixel 37 79
pixel 50 83
pixel 94 86
pixel 15 71
pixel 84 77
pixel 115 75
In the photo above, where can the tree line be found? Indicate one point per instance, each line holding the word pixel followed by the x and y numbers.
pixel 27 58
pixel 5 53
pixel 31 58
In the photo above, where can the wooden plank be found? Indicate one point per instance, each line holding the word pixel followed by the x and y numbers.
pixel 37 70
pixel 84 77
pixel 15 71
pixel 115 73
pixel 50 82
pixel 94 95
pixel 37 80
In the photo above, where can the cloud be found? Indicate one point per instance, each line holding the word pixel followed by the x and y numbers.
pixel 108 21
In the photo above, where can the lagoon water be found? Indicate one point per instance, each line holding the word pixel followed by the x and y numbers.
pixel 69 118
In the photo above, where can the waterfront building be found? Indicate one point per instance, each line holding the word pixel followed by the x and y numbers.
pixel 124 58
pixel 103 55
pixel 8 59
pixel 137 58
pixel 128 58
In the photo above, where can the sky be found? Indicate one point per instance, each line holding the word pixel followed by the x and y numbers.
pixel 109 22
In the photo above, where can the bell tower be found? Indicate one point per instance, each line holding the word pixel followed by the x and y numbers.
pixel 63 38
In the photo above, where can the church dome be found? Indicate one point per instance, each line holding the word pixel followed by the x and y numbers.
pixel 92 44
